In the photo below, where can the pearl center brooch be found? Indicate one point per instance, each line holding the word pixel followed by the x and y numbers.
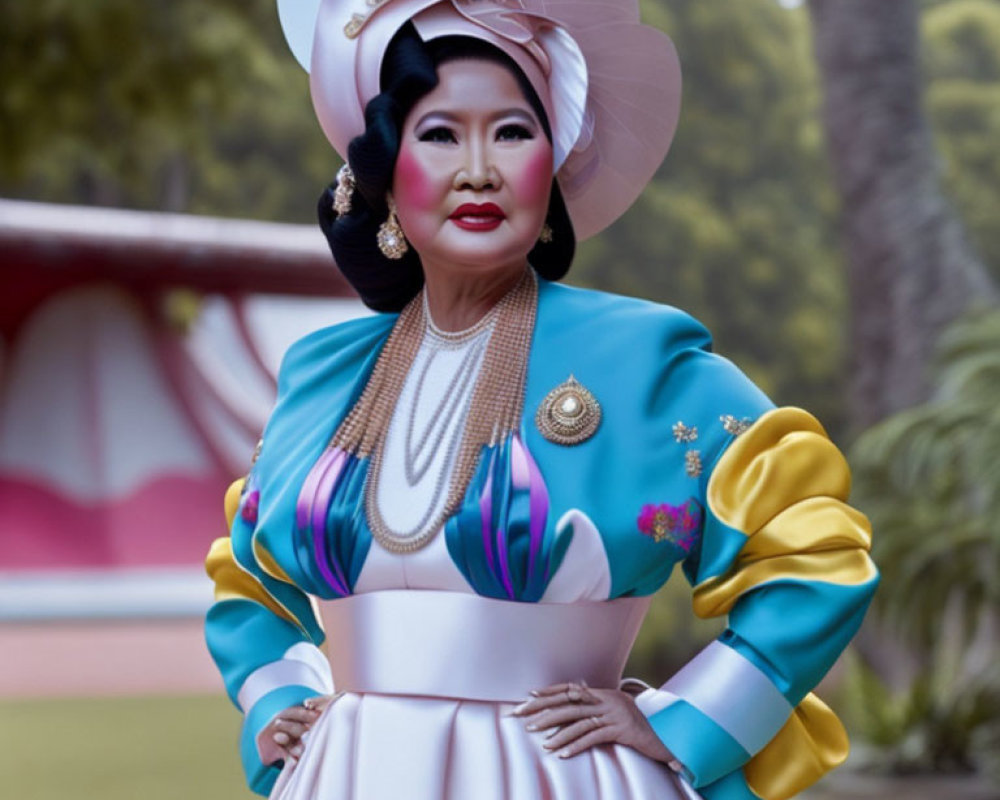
pixel 569 414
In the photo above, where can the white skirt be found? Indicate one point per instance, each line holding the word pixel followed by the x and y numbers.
pixel 392 747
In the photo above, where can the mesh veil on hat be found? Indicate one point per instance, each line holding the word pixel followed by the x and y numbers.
pixel 610 85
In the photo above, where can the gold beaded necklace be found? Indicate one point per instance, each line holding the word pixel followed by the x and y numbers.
pixel 494 411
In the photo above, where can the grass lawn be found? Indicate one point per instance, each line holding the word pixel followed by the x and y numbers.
pixel 153 748
pixel 184 748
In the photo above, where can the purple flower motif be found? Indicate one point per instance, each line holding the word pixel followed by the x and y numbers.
pixel 655 521
pixel 679 524
pixel 250 506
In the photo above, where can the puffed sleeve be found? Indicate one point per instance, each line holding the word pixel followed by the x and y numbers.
pixel 261 631
pixel 785 557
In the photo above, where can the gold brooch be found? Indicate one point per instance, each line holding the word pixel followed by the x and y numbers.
pixel 569 414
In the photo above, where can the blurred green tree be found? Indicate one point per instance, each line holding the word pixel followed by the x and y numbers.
pixel 962 63
pixel 911 269
pixel 185 106
pixel 929 478
pixel 738 225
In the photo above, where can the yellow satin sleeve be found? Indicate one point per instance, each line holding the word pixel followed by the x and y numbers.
pixel 231 501
pixel 810 744
pixel 784 484
pixel 232 582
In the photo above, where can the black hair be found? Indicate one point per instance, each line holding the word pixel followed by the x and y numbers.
pixel 409 71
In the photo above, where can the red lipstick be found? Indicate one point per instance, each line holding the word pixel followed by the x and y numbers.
pixel 478 217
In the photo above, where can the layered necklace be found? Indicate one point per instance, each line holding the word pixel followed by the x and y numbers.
pixel 421 447
pixel 500 342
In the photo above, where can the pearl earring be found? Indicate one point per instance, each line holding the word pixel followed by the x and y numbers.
pixel 391 240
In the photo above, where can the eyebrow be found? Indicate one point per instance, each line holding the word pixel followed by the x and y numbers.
pixel 449 116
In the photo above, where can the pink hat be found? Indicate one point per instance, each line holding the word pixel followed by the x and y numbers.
pixel 610 85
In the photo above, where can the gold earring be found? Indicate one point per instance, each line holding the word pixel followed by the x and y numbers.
pixel 391 240
pixel 545 237
pixel 344 190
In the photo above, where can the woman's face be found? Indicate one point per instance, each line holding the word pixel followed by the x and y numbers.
pixel 474 171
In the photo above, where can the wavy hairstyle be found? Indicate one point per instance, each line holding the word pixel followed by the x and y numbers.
pixel 409 71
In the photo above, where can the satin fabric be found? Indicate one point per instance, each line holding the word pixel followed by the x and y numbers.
pixel 796 553
pixel 380 747
pixel 460 645
pixel 597 491
pixel 810 744
pixel 369 746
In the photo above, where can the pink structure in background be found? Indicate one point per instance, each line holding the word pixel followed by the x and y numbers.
pixel 126 408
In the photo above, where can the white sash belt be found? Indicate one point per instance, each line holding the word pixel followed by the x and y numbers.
pixel 449 644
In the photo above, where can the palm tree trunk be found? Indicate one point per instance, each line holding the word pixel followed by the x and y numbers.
pixel 911 268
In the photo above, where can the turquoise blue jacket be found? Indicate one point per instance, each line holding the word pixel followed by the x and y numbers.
pixel 691 464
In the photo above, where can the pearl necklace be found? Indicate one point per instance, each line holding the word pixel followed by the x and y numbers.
pixel 494 410
pixel 418 456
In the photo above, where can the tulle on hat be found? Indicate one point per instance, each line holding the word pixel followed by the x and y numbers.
pixel 610 85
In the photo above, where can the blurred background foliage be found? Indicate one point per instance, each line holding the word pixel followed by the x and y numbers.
pixel 186 106
pixel 929 477
pixel 962 57
pixel 198 107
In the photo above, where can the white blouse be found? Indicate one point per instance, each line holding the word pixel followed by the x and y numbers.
pixel 420 451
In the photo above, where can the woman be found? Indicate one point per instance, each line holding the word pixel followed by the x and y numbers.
pixel 469 503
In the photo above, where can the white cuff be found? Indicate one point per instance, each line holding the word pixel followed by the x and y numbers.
pixel 649 700
pixel 303 664
pixel 653 700
pixel 734 693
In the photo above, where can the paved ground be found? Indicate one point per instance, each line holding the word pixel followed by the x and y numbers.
pixel 844 785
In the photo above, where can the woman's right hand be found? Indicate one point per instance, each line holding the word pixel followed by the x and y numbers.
pixel 281 738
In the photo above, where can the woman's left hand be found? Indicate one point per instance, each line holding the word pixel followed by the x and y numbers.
pixel 584 717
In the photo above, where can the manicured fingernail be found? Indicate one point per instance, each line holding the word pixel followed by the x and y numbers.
pixel 564 754
pixel 296 751
pixel 534 693
pixel 521 708
pixel 531 727
pixel 281 738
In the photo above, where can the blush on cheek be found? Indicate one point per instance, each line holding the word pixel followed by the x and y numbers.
pixel 412 186
pixel 534 179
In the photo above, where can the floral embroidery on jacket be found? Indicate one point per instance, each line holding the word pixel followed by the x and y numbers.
pixel 250 500
pixel 692 463
pixel 679 524
pixel 684 433
pixel 734 426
